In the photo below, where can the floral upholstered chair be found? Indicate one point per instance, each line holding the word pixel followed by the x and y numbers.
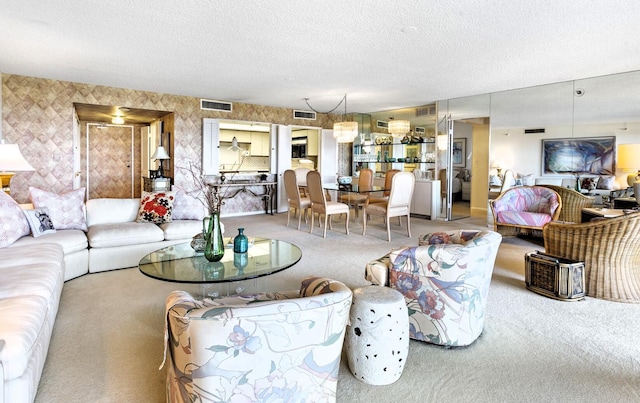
pixel 445 282
pixel 265 347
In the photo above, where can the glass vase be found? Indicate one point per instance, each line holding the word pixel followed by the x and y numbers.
pixel 240 242
pixel 214 248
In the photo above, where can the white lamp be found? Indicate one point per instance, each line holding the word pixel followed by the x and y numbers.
pixel 497 165
pixel 399 128
pixel 234 144
pixel 11 159
pixel 160 154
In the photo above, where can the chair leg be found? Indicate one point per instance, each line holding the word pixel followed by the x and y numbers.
pixel 313 215
pixel 388 230
pixel 326 218
pixel 300 217
pixel 346 223
pixel 408 225
pixel 364 222
pixel 289 216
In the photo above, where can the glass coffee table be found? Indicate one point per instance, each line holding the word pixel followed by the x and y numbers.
pixel 182 264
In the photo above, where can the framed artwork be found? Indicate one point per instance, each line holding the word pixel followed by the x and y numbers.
pixel 458 153
pixel 578 156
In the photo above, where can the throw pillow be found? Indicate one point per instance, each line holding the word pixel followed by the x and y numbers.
pixel 494 180
pixel 606 182
pixel 13 223
pixel 39 222
pixel 527 180
pixel 65 210
pixel 588 183
pixel 156 207
pixel 187 207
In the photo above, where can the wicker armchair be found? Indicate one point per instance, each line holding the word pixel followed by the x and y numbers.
pixel 610 250
pixel 524 209
pixel 572 203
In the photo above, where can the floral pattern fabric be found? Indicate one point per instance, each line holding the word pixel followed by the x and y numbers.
pixel 280 347
pixel 445 285
pixel 528 205
pixel 156 207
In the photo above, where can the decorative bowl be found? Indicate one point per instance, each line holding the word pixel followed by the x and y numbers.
pixel 344 180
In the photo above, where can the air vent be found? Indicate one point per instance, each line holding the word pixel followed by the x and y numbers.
pixel 381 124
pixel 304 115
pixel 209 105
pixel 420 130
pixel 426 111
pixel 533 131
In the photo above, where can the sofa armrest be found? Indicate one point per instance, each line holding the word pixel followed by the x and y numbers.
pixel 377 271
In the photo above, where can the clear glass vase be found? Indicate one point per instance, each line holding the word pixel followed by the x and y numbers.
pixel 214 248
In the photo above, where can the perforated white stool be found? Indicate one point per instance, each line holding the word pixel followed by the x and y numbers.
pixel 377 339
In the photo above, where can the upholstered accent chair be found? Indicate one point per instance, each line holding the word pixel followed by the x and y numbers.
pixel 265 347
pixel 297 203
pixel 398 205
pixel 323 207
pixel 572 203
pixel 610 250
pixel 525 209
pixel 445 282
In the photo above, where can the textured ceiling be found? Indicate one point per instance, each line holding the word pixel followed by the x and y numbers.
pixel 384 55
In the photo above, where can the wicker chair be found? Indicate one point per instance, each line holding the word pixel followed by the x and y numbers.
pixel 525 209
pixel 610 250
pixel 572 203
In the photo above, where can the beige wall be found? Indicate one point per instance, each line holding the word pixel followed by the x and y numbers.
pixel 37 114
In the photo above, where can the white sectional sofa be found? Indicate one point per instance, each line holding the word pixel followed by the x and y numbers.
pixel 33 270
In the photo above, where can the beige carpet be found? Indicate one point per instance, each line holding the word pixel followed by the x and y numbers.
pixel 107 341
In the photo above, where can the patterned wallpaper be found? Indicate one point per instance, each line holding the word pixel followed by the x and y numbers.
pixel 37 114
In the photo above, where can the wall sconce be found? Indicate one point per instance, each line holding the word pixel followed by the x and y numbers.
pixel 160 154
pixel 11 159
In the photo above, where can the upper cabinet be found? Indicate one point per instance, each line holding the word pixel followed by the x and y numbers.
pixel 260 144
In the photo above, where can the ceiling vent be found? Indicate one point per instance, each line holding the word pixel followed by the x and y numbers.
pixel 533 131
pixel 426 111
pixel 381 124
pixel 304 115
pixel 420 130
pixel 209 105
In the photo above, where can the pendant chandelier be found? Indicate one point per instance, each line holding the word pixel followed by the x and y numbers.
pixel 398 128
pixel 343 132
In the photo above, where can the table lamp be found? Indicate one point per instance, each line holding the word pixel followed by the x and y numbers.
pixel 629 161
pixel 497 165
pixel 160 154
pixel 11 160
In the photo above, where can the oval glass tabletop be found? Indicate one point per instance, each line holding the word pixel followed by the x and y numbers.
pixel 180 263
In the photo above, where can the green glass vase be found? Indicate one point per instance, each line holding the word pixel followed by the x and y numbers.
pixel 240 242
pixel 214 248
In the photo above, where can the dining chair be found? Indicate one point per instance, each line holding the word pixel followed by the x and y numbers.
pixel 365 182
pixel 387 188
pixel 301 178
pixel 398 205
pixel 320 205
pixel 299 204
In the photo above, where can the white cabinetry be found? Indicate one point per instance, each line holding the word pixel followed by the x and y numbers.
pixel 259 144
pixel 426 199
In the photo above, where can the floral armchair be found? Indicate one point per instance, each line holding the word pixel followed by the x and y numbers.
pixel 445 282
pixel 264 347
pixel 524 209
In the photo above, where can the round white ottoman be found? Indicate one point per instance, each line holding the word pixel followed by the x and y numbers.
pixel 377 339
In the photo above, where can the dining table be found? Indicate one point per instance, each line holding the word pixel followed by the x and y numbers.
pixel 354 189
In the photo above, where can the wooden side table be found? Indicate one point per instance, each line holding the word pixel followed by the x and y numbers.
pixel 625 203
pixel 156 184
pixel 594 212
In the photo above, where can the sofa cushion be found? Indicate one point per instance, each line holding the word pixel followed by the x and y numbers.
pixel 71 240
pixel 66 210
pixel 156 207
pixel 13 223
pixel 121 234
pixel 31 274
pixel 111 211
pixel 39 222
pixel 606 182
pixel 181 229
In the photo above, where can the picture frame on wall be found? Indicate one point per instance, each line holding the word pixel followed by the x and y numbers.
pixel 458 153
pixel 579 156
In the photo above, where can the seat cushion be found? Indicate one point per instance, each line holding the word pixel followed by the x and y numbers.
pixel 181 229
pixel 71 240
pixel 523 218
pixel 127 233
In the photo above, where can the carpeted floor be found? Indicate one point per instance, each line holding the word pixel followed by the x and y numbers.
pixel 108 337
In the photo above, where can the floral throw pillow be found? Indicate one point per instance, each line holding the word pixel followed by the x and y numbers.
pixel 65 210
pixel 156 207
pixel 13 223
pixel 40 222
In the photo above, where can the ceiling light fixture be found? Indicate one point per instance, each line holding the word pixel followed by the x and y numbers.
pixel 343 132
pixel 399 128
pixel 117 120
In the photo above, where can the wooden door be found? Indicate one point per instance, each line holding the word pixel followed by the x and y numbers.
pixel 110 162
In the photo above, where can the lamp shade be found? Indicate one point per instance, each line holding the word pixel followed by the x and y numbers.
pixel 345 132
pixel 629 161
pixel 234 145
pixel 399 128
pixel 11 159
pixel 160 154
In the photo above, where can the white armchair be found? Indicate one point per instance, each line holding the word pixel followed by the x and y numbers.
pixel 265 347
